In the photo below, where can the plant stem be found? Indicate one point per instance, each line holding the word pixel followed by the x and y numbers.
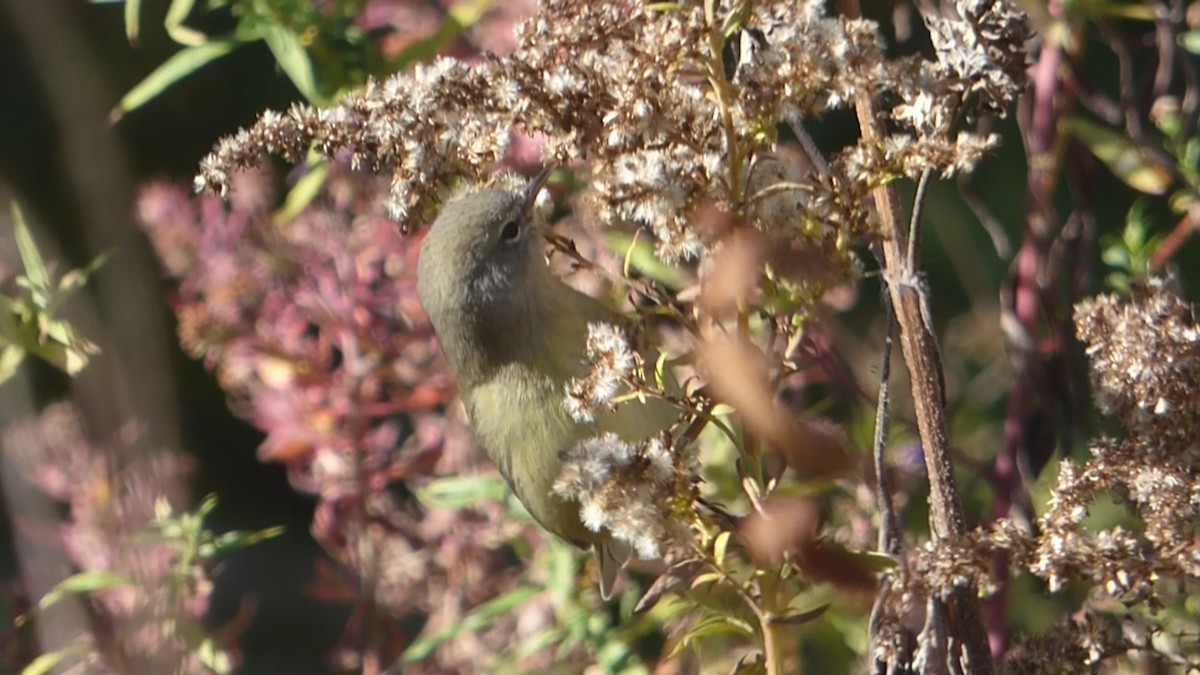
pixel 922 356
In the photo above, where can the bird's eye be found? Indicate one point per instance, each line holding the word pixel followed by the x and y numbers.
pixel 512 230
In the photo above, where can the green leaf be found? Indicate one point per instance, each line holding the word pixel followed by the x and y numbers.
pixel 563 573
pixel 800 618
pixel 31 259
pixel 875 561
pixel 293 58
pixel 477 619
pixel 132 11
pixel 74 280
pixel 47 662
pixel 1121 10
pixel 180 65
pixel 84 582
pixel 11 358
pixel 1121 156
pixel 207 505
pixel 213 657
pixel 720 545
pixel 535 644
pixel 641 257
pixel 461 16
pixel 231 541
pixel 177 13
pixel 713 626
pixel 804 489
pixel 461 492
pixel 615 657
pixel 1116 257
pixel 302 193
pixel 1191 41
pixel 69 356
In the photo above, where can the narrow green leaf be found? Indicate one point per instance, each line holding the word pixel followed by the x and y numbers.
pixel 642 258
pixel 132 12
pixel 84 582
pixel 31 259
pixel 302 194
pixel 1116 257
pixel 707 578
pixel 73 281
pixel 563 572
pixel 875 561
pixel 1121 156
pixel 231 541
pixel 46 662
pixel 1191 41
pixel 799 618
pixel 720 545
pixel 1121 10
pixel 293 58
pixel 479 618
pixel 460 492
pixel 660 371
pixel 177 13
pixel 811 488
pixel 713 626
pixel 461 16
pixel 207 505
pixel 212 656
pixel 615 657
pixel 11 358
pixel 180 65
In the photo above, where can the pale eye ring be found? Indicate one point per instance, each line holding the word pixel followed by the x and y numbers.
pixel 511 231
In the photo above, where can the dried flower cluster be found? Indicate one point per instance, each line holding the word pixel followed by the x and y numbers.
pixel 639 92
pixel 643 493
pixel 114 506
pixel 1144 352
pixel 1074 646
pixel 1145 360
pixel 611 356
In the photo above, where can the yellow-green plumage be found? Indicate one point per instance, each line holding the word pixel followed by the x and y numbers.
pixel 515 335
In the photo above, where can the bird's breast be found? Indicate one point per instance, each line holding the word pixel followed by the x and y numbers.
pixel 519 418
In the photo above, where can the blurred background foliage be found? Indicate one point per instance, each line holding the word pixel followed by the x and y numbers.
pixel 102 97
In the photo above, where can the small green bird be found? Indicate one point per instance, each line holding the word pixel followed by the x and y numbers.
pixel 515 335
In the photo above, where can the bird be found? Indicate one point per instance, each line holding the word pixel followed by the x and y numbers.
pixel 514 335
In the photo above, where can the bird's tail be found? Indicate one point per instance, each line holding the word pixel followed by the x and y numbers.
pixel 612 556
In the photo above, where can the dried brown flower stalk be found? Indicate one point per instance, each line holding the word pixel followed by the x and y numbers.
pixel 1144 355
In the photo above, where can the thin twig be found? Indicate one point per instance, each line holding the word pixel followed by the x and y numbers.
pixel 914 225
pixel 1183 230
pixel 990 223
pixel 890 541
pixel 815 158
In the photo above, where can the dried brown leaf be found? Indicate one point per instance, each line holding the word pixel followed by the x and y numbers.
pixel 733 277
pixel 738 374
pixel 792 527
pixel 677 577
pixel 782 526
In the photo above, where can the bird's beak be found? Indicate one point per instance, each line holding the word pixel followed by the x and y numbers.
pixel 535 188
